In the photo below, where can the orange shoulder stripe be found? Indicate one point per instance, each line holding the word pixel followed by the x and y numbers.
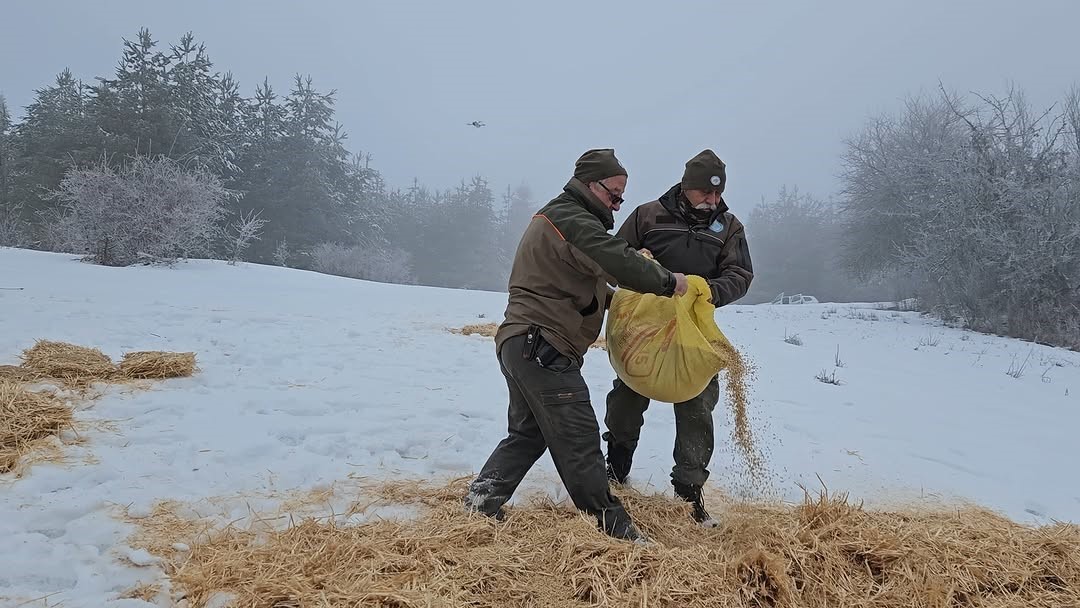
pixel 552 225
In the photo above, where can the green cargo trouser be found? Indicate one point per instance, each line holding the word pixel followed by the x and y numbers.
pixel 693 428
pixel 549 410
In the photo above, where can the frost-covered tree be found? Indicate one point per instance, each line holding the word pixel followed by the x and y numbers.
pixel 375 260
pixel 240 233
pixel 148 209
pixel 980 204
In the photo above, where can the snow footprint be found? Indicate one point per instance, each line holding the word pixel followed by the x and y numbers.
pixel 292 438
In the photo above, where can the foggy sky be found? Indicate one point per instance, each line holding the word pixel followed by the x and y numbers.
pixel 773 88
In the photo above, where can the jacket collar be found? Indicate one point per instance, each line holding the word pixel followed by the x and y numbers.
pixel 677 205
pixel 581 193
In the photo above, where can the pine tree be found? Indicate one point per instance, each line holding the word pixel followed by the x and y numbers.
pixel 54 136
pixel 6 154
pixel 299 174
pixel 460 238
pixel 12 225
pixel 132 110
pixel 203 109
pixel 518 208
pixel 227 122
pixel 302 173
pixel 261 126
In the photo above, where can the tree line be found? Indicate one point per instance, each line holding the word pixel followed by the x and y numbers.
pixel 970 205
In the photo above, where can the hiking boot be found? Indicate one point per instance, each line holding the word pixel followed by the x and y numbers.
pixel 631 533
pixel 475 502
pixel 498 514
pixel 619 458
pixel 616 523
pixel 692 494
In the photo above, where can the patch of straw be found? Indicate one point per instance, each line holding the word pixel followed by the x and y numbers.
pixel 166 526
pixel 27 418
pixel 143 591
pixel 76 365
pixel 15 373
pixel 157 365
pixel 477 329
pixel 823 552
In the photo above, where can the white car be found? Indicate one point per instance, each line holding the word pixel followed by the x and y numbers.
pixel 794 299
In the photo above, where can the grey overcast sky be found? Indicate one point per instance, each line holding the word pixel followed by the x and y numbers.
pixel 772 87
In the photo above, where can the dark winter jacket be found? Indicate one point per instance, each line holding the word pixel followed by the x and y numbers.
pixel 714 248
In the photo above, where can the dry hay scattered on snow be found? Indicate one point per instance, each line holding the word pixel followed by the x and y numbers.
pixel 142 591
pixel 157 365
pixel 824 552
pixel 25 418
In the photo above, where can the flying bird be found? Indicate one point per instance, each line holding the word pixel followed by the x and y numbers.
pixel 476 123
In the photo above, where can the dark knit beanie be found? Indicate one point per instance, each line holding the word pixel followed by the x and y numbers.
pixel 705 172
pixel 598 164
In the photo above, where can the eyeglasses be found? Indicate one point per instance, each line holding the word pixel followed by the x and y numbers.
pixel 615 198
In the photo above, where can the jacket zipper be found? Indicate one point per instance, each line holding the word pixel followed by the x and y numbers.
pixel 689 234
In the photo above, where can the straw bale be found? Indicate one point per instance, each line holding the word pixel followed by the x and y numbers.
pixel 77 365
pixel 25 419
pixel 157 365
pixel 823 552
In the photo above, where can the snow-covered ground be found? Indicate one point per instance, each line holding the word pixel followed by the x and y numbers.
pixel 305 379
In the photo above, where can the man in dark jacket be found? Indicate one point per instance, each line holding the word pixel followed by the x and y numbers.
pixel 559 288
pixel 690 230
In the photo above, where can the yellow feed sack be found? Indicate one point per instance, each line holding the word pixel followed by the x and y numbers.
pixel 666 349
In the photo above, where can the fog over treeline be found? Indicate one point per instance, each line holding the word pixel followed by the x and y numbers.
pixel 968 202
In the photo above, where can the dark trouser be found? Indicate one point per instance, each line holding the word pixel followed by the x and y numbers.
pixel 693 428
pixel 549 409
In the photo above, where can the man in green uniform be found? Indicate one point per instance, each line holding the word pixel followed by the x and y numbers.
pixel 559 291
pixel 689 229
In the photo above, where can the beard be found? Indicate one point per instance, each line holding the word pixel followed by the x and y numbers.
pixel 702 212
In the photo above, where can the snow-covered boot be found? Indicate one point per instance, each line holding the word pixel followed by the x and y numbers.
pixel 692 494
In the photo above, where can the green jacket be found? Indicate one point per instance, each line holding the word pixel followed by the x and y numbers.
pixel 564 263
